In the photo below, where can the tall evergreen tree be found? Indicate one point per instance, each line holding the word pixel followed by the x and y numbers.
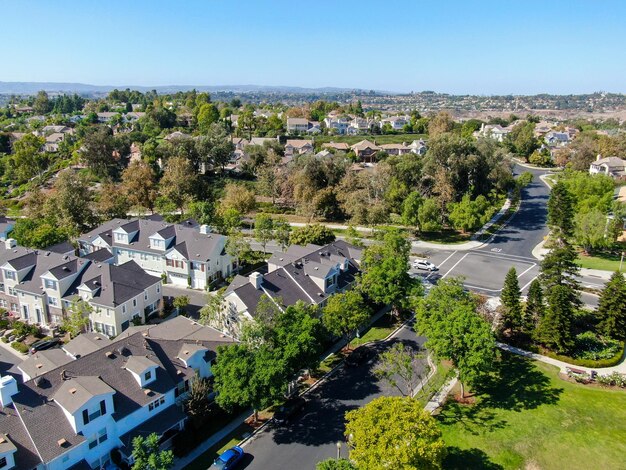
pixel 561 211
pixel 512 309
pixel 555 327
pixel 559 268
pixel 534 309
pixel 612 308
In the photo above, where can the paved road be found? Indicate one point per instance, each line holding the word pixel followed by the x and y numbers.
pixel 8 361
pixel 313 436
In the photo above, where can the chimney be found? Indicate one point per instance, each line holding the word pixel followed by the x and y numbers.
pixel 10 243
pixel 8 388
pixel 256 279
pixel 205 229
pixel 597 158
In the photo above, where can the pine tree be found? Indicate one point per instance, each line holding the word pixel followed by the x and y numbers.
pixel 555 328
pixel 534 309
pixel 559 268
pixel 612 308
pixel 561 211
pixel 512 309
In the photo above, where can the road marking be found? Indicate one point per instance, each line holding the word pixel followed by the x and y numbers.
pixel 527 270
pixel 496 250
pixel 455 265
pixel 443 262
pixel 504 254
pixel 529 283
pixel 504 257
pixel 481 288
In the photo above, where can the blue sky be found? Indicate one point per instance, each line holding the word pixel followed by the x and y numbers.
pixel 481 47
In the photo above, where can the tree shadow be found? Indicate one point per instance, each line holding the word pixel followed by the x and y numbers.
pixel 473 418
pixel 465 459
pixel 515 384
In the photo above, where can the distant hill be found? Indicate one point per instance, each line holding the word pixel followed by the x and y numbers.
pixel 31 88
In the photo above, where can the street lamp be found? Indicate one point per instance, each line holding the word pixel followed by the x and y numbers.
pixel 621 261
pixel 338 449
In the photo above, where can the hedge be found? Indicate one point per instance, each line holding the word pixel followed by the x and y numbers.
pixel 594 364
pixel 21 347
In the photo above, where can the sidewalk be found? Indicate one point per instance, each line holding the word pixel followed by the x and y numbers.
pixel 440 397
pixel 540 252
pixel 621 367
pixel 181 463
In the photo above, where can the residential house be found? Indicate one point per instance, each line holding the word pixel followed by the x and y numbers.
pixel 496 132
pixel 185 254
pixel 297 125
pixel 360 126
pixel 52 141
pixel 314 128
pixel 557 139
pixel 418 147
pixel 135 152
pixel 396 123
pixel 298 147
pixel 365 150
pixel 310 274
pixel 70 413
pixel 614 167
pixel 337 125
pixel 337 146
pixel 396 149
pixel 6 226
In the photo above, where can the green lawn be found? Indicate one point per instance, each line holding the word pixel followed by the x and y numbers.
pixel 443 371
pixel 380 139
pixel 447 236
pixel 525 417
pixel 606 262
pixel 379 330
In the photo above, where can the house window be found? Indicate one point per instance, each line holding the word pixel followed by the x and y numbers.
pixel 53 301
pixel 134 302
pixel 145 296
pixel 1 286
pixel 102 435
pixel 158 289
pixel 148 375
pixel 12 291
pixel 49 284
pixel 3 462
pixel 123 308
pixel 9 274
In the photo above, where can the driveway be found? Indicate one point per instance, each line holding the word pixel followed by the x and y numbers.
pixel 197 298
pixel 314 436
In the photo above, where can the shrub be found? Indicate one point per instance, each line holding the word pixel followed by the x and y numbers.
pixel 614 379
pixel 20 347
pixel 589 347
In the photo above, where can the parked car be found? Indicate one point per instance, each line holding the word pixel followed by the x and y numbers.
pixel 423 264
pixel 43 344
pixel 229 459
pixel 359 356
pixel 289 410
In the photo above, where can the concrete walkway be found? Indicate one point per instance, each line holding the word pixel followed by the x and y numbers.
pixel 621 367
pixel 181 463
pixel 439 398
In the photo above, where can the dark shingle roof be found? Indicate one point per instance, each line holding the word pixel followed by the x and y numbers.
pixel 99 256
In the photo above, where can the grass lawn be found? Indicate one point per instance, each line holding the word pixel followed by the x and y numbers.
pixel 446 236
pixel 606 262
pixel 379 330
pixel 526 417
pixel 380 139
pixel 439 378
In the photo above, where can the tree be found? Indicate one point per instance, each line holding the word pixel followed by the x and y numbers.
pixel 41 105
pixel 148 456
pixel 561 211
pixel 559 268
pixel 511 306
pixel 410 209
pixel 248 377
pixel 98 150
pixel 197 404
pixel 385 278
pixel 612 308
pixel 521 139
pixel 316 234
pixel 216 148
pixel 111 202
pixel 297 335
pixel 181 303
pixel 37 233
pixel 466 214
pixel 207 115
pixel 590 230
pixel 398 366
pixel 344 313
pixel 335 464
pixel 534 308
pixel 210 313
pixel 77 318
pixel 440 124
pixel 237 246
pixel 139 185
pixel 455 331
pixel 179 182
pixel 263 229
pixel 394 432
pixel 429 216
pixel 70 203
pixel 282 232
pixel 238 197
pixel 555 327
pixel 28 159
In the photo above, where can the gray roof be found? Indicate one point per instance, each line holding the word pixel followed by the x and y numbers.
pixel 6 445
pixel 292 282
pixel 139 364
pixel 187 350
pixel 99 256
pixel 44 418
pixel 62 248
pixel 75 392
pixel 43 361
pixel 86 343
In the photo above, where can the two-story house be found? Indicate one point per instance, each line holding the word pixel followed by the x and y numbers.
pixel 614 167
pixel 74 414
pixel 298 147
pixel 310 274
pixel 186 254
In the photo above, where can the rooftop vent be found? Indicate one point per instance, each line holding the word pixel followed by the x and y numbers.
pixel 66 269
pixel 147 391
pixel 2 440
pixel 72 391
pixel 109 354
pixel 179 372
pixel 62 442
pixel 38 366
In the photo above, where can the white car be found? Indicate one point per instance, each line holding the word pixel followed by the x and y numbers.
pixel 425 265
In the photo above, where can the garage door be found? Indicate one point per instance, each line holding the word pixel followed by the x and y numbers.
pixel 178 279
pixel 198 283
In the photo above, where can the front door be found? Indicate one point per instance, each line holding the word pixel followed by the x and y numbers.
pixel 25 310
pixel 38 314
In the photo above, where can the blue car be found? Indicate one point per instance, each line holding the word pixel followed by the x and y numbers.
pixel 229 459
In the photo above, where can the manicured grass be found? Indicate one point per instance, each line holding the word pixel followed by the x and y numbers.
pixel 446 236
pixel 605 262
pixel 380 139
pixel 379 330
pixel 439 378
pixel 526 417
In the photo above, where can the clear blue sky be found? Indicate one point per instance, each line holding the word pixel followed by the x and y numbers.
pixel 482 47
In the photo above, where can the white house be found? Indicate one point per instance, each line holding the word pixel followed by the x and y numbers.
pixel 611 166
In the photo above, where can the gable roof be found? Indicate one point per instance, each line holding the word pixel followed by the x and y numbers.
pixel 75 392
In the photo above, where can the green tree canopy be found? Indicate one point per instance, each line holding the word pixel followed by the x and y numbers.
pixel 345 312
pixel 612 308
pixel 148 456
pixel 394 432
pixel 316 234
